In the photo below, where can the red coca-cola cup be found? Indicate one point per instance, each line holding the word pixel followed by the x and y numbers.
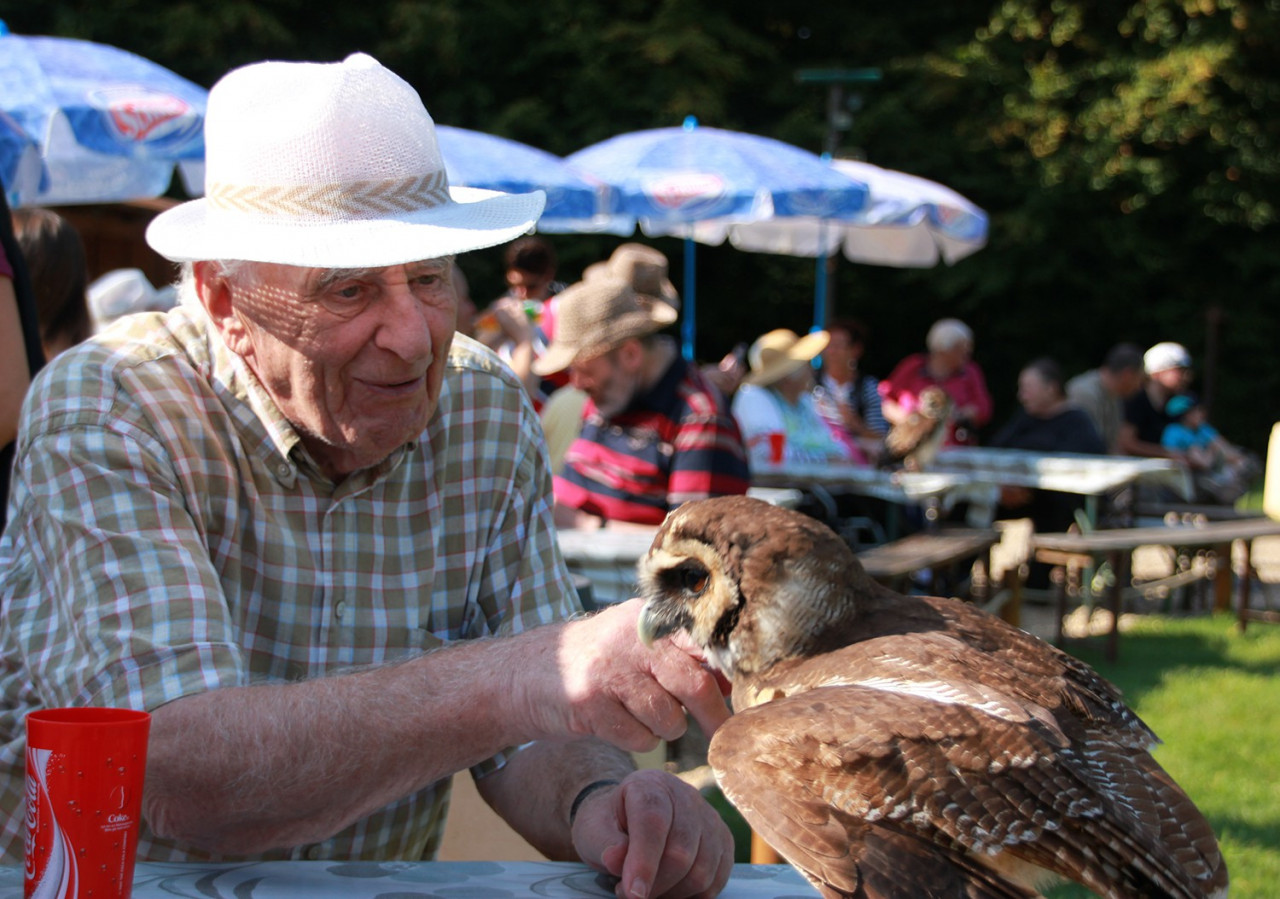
pixel 85 769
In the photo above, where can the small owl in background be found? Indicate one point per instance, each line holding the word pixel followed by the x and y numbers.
pixel 914 443
pixel 904 746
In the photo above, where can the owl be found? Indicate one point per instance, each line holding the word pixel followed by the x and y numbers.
pixel 905 746
pixel 914 443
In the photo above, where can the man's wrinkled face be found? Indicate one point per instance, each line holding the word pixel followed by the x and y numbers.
pixel 354 359
pixel 611 379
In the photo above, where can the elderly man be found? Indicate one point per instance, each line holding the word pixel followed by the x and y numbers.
pixel 279 516
pixel 655 433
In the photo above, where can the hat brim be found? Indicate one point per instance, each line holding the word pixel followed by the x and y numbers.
pixel 474 220
pixel 798 355
pixel 559 356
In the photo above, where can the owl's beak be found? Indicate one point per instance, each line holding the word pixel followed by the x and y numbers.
pixel 652 625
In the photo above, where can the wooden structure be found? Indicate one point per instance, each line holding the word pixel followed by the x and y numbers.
pixel 1116 546
pixel 114 236
pixel 947 553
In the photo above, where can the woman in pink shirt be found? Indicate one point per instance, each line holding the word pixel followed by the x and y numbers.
pixel 948 364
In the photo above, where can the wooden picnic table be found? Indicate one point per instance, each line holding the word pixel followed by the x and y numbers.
pixel 941 552
pixel 1117 545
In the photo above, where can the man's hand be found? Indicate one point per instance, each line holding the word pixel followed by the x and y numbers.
pixel 606 683
pixel 657 835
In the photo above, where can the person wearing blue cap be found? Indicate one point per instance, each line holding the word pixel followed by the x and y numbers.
pixel 1221 471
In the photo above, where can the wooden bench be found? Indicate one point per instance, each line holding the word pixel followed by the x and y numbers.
pixel 1117 546
pixel 1189 513
pixel 942 553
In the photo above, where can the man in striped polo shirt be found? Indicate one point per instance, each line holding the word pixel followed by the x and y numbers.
pixel 655 432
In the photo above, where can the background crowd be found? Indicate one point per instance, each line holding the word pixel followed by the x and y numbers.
pixel 780 398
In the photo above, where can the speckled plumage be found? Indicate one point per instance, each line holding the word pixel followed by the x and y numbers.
pixel 902 746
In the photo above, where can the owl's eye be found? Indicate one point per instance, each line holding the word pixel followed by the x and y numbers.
pixel 694 579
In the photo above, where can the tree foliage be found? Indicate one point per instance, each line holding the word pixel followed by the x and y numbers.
pixel 1127 152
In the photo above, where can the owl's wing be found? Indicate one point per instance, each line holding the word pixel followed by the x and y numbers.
pixel 874 794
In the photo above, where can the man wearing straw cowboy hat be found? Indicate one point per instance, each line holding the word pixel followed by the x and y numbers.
pixel 655 433
pixel 256 516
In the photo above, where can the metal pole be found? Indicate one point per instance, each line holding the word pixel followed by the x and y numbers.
pixel 690 323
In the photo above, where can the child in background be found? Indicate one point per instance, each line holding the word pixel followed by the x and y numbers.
pixel 1221 470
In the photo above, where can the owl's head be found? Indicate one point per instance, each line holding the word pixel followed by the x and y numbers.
pixel 752 584
pixel 935 403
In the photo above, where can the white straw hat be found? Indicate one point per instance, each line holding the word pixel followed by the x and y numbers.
pixel 330 165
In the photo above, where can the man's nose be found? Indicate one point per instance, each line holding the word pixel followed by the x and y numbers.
pixel 405 328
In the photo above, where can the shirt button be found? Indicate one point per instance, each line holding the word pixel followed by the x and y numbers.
pixel 283 470
pixel 339 609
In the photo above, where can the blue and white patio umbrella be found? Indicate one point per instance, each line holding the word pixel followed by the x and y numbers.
pixel 109 124
pixel 667 180
pixel 575 202
pixel 907 222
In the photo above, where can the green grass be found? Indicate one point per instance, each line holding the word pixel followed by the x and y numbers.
pixel 1212 694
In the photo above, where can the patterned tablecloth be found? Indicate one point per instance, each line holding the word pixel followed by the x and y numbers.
pixel 407 880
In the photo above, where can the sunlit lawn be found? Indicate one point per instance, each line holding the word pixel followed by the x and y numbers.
pixel 1213 695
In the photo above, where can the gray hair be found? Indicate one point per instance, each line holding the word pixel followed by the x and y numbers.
pixel 948 333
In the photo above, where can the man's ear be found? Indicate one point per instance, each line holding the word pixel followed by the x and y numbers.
pixel 214 291
pixel 631 354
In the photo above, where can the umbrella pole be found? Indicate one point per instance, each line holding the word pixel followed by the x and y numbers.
pixel 820 281
pixel 689 325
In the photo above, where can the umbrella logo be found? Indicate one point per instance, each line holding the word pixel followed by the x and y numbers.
pixel 143 116
pixel 686 190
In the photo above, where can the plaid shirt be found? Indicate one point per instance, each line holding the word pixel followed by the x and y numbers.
pixel 169 534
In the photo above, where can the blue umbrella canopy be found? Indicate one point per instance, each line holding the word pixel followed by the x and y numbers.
pixel 908 222
pixel 20 167
pixel 110 125
pixel 575 202
pixel 668 179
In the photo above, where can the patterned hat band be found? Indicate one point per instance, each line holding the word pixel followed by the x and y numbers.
pixel 333 202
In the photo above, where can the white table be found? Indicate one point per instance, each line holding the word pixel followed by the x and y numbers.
pixel 1088 475
pixel 1063 472
pixel 938 492
pixel 406 880
pixel 607 558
